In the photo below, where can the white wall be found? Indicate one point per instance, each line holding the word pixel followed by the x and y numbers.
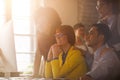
pixel 67 9
pixel 74 11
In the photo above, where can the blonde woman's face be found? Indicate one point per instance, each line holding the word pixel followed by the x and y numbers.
pixel 61 38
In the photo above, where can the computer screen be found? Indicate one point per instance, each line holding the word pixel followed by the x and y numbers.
pixel 7 46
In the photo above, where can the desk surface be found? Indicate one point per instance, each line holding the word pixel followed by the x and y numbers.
pixel 18 76
pixel 28 78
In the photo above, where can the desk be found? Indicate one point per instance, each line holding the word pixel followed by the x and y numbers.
pixel 12 74
pixel 19 76
pixel 28 78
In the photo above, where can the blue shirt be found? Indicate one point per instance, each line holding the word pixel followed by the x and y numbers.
pixel 113 23
pixel 106 66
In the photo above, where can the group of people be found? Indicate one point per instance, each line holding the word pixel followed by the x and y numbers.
pixel 69 52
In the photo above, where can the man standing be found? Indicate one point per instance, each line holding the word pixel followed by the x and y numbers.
pixel 109 14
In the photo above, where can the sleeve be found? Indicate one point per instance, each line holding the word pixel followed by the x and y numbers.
pixel 102 68
pixel 48 70
pixel 75 58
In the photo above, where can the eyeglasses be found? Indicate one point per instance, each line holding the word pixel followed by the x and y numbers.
pixel 59 35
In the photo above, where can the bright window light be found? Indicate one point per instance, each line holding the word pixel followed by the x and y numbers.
pixel 2 7
pixel 42 3
pixel 21 8
pixel 24 33
pixel 2 12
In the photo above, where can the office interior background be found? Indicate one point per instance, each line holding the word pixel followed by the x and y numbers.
pixel 18 31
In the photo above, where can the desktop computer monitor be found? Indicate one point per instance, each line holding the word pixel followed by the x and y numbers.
pixel 7 47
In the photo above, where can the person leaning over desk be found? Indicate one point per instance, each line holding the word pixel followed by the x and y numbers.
pixel 46 22
pixel 64 59
pixel 109 14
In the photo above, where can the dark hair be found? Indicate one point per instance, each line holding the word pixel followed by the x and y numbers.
pixel 50 17
pixel 48 12
pixel 115 5
pixel 104 30
pixel 69 32
pixel 78 25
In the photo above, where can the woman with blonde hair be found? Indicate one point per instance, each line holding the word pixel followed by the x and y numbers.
pixel 64 59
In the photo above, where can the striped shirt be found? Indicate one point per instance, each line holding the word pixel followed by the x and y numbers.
pixel 106 66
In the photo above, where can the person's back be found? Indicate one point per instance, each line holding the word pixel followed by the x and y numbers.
pixel 46 21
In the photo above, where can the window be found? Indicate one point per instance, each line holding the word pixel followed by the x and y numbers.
pixel 2 12
pixel 24 30
pixel 24 33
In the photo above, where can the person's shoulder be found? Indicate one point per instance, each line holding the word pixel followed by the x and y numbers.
pixel 106 50
pixel 78 49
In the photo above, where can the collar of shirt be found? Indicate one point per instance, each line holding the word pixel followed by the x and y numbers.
pixel 98 51
pixel 110 20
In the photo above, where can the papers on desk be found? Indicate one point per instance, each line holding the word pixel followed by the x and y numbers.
pixel 28 78
pixel 20 76
pixel 10 74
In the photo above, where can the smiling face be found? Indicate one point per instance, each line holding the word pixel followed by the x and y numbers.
pixel 61 38
pixel 93 37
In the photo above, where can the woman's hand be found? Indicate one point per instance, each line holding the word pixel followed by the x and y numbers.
pixel 50 55
pixel 56 50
